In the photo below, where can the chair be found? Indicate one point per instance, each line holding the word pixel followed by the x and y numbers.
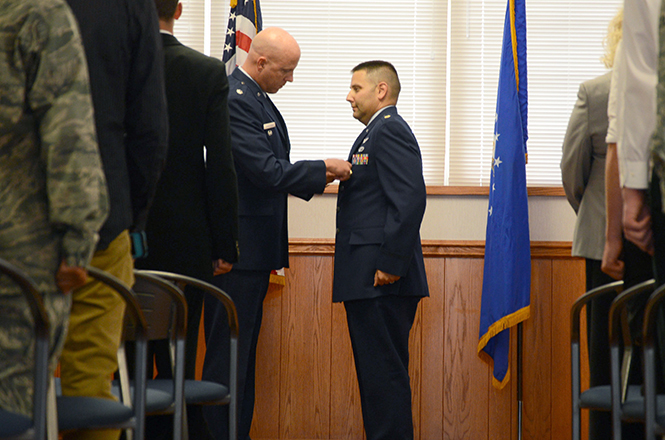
pixel 74 412
pixel 654 408
pixel 599 397
pixel 627 400
pixel 15 426
pixel 150 286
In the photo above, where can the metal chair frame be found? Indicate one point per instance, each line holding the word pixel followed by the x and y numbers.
pixel 575 312
pixel 37 430
pixel 624 408
pixel 653 413
pixel 173 285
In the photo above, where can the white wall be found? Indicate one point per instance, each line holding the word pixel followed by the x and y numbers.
pixel 446 218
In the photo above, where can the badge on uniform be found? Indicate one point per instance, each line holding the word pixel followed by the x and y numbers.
pixel 360 159
pixel 269 126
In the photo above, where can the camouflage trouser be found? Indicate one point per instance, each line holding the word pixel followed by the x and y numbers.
pixel 17 347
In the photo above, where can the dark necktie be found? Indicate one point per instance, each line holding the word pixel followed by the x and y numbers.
pixel 281 125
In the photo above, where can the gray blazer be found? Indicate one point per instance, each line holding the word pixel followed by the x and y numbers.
pixel 583 166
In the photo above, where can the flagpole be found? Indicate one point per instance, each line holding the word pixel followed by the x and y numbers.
pixel 519 381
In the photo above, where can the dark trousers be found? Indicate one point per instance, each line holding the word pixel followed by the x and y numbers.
pixel 658 226
pixel 637 269
pixel 379 330
pixel 248 290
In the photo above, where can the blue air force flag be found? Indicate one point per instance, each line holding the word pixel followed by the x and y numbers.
pixel 507 273
pixel 244 23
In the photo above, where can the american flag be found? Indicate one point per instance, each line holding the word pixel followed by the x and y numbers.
pixel 244 23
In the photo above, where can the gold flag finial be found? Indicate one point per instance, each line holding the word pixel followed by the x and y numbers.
pixel 234 3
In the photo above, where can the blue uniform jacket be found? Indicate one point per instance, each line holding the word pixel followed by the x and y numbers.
pixel 379 212
pixel 261 147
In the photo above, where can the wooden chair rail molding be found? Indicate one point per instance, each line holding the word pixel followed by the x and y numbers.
pixel 543 191
pixel 437 248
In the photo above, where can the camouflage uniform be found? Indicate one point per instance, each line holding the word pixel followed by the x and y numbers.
pixel 53 196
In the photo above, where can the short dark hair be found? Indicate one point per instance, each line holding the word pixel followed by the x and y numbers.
pixel 381 71
pixel 166 8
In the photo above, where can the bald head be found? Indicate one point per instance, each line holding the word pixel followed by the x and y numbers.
pixel 272 58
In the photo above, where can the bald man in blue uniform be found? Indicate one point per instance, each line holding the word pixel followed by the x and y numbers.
pixel 261 148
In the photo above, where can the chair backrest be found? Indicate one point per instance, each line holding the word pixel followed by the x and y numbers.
pixel 41 332
pixel 618 328
pixel 649 334
pixel 165 308
pixel 575 312
pixel 163 305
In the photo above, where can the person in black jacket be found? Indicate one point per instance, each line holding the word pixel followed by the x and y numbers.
pixel 192 226
pixel 124 53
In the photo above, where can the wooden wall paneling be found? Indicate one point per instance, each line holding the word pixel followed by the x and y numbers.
pixel 537 357
pixel 431 360
pixel 305 343
pixel 568 283
pixel 584 370
pixel 501 402
pixel 415 370
pixel 266 422
pixel 345 414
pixel 466 380
pixel 514 406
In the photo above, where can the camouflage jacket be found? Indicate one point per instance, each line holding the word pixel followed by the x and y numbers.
pixel 53 196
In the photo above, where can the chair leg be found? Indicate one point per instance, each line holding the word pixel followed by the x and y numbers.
pixel 51 412
pixel 185 426
pixel 125 389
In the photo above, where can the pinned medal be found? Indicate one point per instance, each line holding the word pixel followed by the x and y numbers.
pixel 359 159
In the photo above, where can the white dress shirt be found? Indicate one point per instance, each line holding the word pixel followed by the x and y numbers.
pixel 613 102
pixel 638 89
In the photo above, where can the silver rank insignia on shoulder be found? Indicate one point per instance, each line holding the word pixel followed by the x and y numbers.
pixel 361 149
pixel 239 92
pixel 386 116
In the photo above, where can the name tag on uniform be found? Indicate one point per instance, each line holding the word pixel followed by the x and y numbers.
pixel 268 125
pixel 359 159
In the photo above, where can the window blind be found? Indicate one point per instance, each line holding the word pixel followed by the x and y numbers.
pixel 447 55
